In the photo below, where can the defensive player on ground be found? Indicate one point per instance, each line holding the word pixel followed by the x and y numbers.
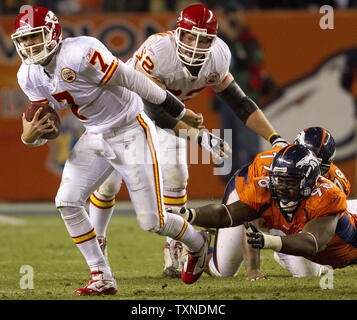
pixel 104 94
pixel 293 198
pixel 183 61
pixel 322 143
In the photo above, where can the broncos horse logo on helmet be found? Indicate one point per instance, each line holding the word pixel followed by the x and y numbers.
pixel 321 142
pixel 294 173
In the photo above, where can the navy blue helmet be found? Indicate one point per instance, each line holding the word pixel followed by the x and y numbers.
pixel 321 142
pixel 294 173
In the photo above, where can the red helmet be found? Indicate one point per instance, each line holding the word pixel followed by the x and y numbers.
pixel 201 22
pixel 33 21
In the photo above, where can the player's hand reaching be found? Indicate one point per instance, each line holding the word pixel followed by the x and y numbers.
pixel 34 129
pixel 277 141
pixel 256 237
pixel 186 213
pixel 213 144
pixel 193 119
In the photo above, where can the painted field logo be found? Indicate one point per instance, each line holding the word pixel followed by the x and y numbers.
pixel 68 75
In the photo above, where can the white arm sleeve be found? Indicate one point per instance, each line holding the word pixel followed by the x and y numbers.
pixel 135 81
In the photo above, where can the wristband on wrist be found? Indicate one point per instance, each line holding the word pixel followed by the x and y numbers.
pixel 272 242
pixel 273 137
pixel 37 143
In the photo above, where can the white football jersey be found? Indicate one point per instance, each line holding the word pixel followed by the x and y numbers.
pixel 78 77
pixel 157 56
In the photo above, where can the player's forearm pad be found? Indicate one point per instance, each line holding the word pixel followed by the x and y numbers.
pixel 173 106
pixel 242 105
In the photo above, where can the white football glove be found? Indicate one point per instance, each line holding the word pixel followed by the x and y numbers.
pixel 213 144
pixel 186 213
pixel 278 141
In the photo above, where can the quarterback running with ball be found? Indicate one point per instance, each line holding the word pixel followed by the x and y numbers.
pixel 81 74
pixel 183 61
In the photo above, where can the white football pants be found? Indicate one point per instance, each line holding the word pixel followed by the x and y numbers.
pixel 228 246
pixel 173 163
pixel 133 152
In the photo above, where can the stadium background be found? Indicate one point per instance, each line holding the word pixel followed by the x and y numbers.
pixel 305 60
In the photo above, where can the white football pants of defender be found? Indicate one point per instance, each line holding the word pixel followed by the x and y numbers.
pixel 173 162
pixel 131 150
pixel 227 255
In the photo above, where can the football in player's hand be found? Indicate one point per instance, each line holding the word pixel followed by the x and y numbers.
pixel 46 108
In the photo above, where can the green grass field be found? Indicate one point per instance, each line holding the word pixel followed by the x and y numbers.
pixel 43 243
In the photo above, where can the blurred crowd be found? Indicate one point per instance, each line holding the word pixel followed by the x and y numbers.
pixel 96 6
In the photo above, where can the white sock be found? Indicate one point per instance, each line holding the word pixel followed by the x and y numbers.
pixel 84 236
pixel 174 199
pixel 179 229
pixel 101 209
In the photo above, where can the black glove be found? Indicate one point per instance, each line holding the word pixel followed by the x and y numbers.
pixel 256 237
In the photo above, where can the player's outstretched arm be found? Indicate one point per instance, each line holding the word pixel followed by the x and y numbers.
pixel 135 81
pixel 314 237
pixel 218 215
pixel 246 110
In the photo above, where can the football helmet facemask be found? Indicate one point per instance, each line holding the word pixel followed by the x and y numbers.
pixel 321 142
pixel 295 170
pixel 31 24
pixel 201 22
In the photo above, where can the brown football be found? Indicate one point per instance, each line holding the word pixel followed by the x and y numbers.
pixel 31 110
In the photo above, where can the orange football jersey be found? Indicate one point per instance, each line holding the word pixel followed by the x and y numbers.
pixel 337 177
pixel 252 185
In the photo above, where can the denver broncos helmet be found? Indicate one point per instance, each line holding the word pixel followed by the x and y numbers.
pixel 294 173
pixel 321 142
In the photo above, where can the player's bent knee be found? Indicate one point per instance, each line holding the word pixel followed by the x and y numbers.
pixel 148 221
pixel 109 189
pixel 175 178
pixel 68 196
pixel 223 272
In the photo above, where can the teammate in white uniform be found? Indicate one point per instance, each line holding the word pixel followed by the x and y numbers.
pixel 183 61
pixel 103 93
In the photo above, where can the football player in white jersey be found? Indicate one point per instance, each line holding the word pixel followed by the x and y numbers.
pixel 104 94
pixel 183 61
